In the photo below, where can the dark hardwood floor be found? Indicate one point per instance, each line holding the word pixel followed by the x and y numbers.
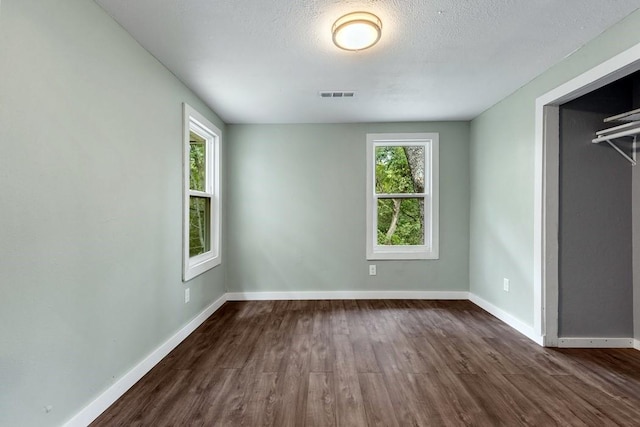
pixel 377 363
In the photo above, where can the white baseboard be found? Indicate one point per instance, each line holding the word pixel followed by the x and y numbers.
pixel 636 344
pixel 329 295
pixel 570 342
pixel 507 318
pixel 113 393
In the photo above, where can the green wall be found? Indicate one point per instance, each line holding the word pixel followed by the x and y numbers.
pixel 502 177
pixel 90 208
pixel 296 209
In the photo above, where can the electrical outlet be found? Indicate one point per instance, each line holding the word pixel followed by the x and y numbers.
pixel 187 295
pixel 505 285
pixel 372 270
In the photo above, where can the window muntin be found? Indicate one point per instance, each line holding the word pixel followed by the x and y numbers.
pixel 402 196
pixel 201 218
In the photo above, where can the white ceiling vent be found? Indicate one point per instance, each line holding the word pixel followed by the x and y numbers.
pixel 337 94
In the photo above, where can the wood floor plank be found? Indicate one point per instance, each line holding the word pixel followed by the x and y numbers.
pixel 215 407
pixel 364 355
pixel 304 323
pixel 431 358
pixel 386 356
pixel 617 410
pixel 452 400
pixel 522 407
pixel 165 400
pixel 293 386
pixel 339 323
pixel 374 318
pixel 263 401
pixel 322 318
pixel 408 357
pixel 275 354
pixel 409 407
pixel 289 323
pixel 377 403
pixel 349 404
pixel 229 340
pixel 321 338
pixel 321 408
pixel 615 371
pixel 238 398
pixel 321 352
pixel 495 406
pixel 457 355
pixel 553 401
pixel 292 389
pixel 360 363
pixel 238 351
pixel 206 388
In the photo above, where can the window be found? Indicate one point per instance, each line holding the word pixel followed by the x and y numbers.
pixel 201 214
pixel 402 196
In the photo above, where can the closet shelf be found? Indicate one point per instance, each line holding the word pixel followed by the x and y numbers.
pixel 631 128
pixel 618 128
pixel 629 116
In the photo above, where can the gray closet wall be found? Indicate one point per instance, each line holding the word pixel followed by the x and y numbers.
pixel 595 222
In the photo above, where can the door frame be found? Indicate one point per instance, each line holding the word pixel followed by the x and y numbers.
pixel 546 183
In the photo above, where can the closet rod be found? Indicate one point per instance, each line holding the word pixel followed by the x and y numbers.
pixel 629 132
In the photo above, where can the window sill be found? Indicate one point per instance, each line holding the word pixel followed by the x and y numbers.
pixel 199 266
pixel 401 254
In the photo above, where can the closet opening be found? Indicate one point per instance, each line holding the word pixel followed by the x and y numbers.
pixel 595 218
pixel 587 209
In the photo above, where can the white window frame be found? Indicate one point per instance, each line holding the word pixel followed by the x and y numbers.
pixel 194 121
pixel 430 142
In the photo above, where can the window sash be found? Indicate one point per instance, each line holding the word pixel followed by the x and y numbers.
pixel 210 153
pixel 404 217
pixel 201 226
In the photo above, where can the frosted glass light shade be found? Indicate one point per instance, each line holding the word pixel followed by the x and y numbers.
pixel 357 31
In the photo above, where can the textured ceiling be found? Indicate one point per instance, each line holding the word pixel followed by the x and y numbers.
pixel 264 61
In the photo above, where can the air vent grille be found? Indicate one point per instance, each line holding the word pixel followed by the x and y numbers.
pixel 337 94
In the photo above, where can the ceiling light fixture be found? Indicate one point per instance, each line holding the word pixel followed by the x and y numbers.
pixel 357 31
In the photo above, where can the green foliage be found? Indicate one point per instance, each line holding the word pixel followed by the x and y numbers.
pixel 199 225
pixel 409 227
pixel 393 175
pixel 198 206
pixel 197 165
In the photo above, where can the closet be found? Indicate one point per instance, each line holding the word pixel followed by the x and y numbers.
pixel 598 136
